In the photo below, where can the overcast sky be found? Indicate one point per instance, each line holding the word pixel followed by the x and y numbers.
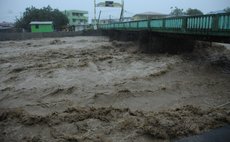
pixel 10 9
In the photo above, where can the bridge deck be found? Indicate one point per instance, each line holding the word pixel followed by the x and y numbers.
pixel 217 25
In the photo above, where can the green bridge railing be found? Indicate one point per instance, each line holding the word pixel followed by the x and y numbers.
pixel 213 25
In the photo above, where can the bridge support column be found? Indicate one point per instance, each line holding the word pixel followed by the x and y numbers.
pixel 151 43
pixel 123 35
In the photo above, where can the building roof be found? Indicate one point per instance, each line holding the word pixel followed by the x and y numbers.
pixel 5 28
pixel 217 12
pixel 41 22
pixel 6 25
pixel 77 11
pixel 149 13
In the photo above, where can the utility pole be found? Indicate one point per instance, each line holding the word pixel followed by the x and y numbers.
pixel 122 11
pixel 110 19
pixel 95 12
pixel 94 9
pixel 98 20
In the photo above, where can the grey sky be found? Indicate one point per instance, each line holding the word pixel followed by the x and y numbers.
pixel 10 9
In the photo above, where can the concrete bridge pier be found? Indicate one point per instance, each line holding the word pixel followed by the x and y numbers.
pixel 122 35
pixel 153 43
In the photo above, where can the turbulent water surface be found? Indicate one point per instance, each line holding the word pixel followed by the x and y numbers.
pixel 92 89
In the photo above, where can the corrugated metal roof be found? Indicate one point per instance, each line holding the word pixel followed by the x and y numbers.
pixel 41 22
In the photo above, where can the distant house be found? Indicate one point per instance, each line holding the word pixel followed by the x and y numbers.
pixel 127 19
pixel 6 27
pixel 217 12
pixel 148 15
pixel 41 26
pixel 77 19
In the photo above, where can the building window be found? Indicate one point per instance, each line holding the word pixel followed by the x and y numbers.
pixel 75 14
pixel 37 26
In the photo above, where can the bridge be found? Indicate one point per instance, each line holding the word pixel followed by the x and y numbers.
pixel 212 28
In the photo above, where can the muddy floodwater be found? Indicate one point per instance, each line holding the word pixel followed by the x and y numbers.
pixel 91 89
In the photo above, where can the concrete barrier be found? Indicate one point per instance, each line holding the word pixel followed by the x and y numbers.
pixel 24 36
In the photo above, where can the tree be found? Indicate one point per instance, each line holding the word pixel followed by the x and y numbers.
pixel 192 12
pixel 176 11
pixel 43 14
pixel 227 10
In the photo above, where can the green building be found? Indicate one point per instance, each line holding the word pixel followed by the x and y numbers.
pixel 77 19
pixel 41 26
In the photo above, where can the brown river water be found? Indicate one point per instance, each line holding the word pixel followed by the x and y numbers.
pixel 92 89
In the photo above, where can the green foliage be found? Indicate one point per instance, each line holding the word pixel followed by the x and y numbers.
pixel 227 10
pixel 176 11
pixel 192 12
pixel 180 12
pixel 43 14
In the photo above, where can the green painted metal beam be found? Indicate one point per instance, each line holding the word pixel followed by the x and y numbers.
pixel 218 24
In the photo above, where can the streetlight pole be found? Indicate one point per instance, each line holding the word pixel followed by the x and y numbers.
pixel 94 12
